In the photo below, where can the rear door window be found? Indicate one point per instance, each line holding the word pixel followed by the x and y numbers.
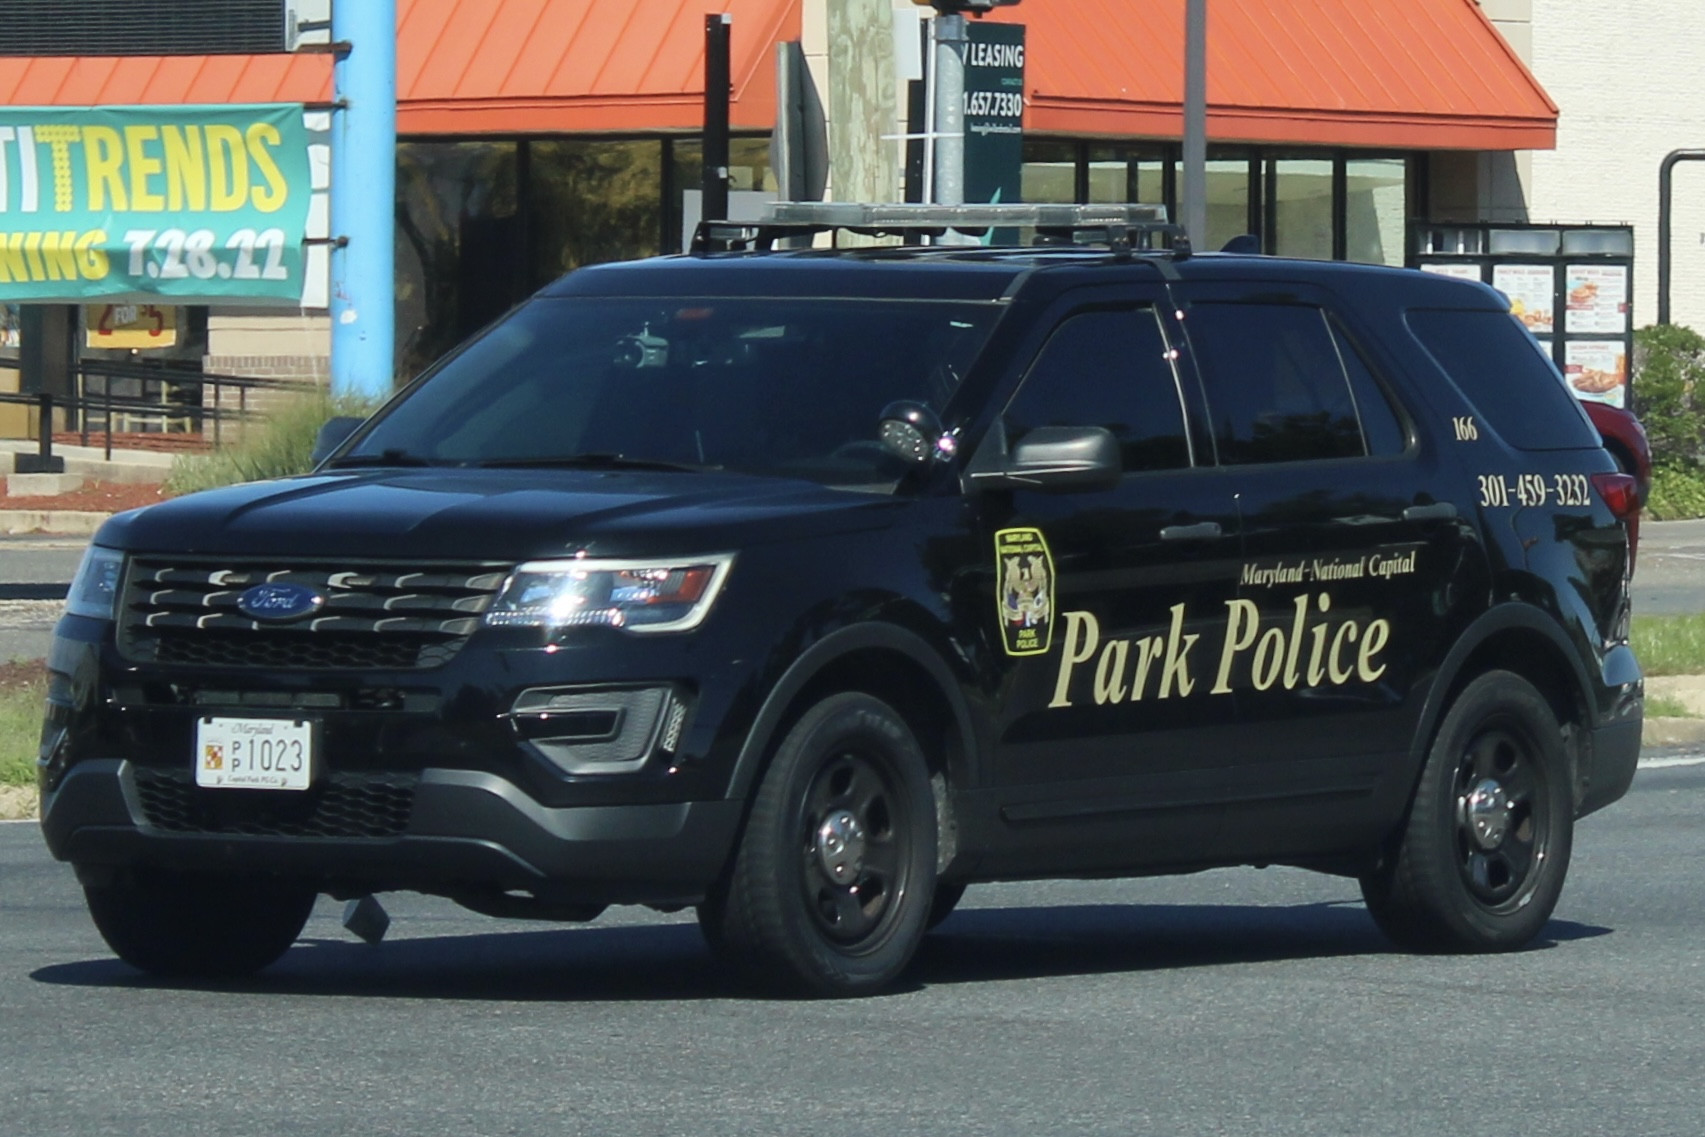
pixel 1282 388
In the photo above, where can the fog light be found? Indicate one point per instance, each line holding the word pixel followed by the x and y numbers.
pixel 602 730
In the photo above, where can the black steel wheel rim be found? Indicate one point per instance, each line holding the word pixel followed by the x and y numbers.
pixel 856 845
pixel 1502 824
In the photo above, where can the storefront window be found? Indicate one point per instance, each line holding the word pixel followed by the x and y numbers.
pixel 1301 206
pixel 1228 200
pixel 748 172
pixel 1118 173
pixel 591 201
pixel 1376 208
pixel 459 244
pixel 1050 171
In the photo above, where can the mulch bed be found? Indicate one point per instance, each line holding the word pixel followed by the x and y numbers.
pixel 137 440
pixel 22 673
pixel 97 497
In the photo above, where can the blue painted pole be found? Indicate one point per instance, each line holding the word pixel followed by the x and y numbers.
pixel 363 195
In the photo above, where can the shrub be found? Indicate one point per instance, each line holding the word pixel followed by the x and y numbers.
pixel 1678 492
pixel 275 447
pixel 1669 377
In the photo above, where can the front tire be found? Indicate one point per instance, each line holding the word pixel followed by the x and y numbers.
pixel 197 927
pixel 831 887
pixel 1480 862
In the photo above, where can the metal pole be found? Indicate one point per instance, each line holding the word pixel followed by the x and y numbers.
pixel 1665 201
pixel 363 198
pixel 950 109
pixel 928 195
pixel 713 183
pixel 1195 203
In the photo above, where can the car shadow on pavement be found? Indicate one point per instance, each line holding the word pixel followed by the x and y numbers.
pixel 672 962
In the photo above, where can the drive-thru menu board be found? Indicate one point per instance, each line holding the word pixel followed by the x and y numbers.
pixel 1568 284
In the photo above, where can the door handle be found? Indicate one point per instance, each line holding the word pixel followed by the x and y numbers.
pixel 1437 511
pixel 1191 532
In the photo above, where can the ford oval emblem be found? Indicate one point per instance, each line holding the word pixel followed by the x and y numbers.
pixel 280 601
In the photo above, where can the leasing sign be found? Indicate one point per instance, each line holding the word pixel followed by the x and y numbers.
pixel 198 203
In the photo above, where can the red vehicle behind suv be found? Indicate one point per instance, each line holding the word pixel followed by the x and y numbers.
pixel 1626 440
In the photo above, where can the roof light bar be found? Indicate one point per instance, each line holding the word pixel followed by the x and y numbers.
pixel 892 216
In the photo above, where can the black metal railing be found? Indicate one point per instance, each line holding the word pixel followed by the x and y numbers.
pixel 108 389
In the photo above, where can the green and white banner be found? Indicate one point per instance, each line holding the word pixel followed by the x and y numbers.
pixel 202 204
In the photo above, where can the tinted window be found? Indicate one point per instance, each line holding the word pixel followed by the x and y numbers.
pixel 1277 390
pixel 1111 369
pixel 1380 425
pixel 768 386
pixel 1494 363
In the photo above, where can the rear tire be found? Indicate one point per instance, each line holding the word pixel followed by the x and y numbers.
pixel 198 927
pixel 1480 862
pixel 830 889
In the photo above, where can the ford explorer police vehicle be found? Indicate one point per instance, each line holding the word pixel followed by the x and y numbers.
pixel 809 586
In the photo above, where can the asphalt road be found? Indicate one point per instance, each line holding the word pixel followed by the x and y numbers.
pixel 1232 1002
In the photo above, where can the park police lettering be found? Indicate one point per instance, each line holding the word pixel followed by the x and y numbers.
pixel 1306 647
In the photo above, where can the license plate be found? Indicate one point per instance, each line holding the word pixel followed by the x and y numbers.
pixel 254 754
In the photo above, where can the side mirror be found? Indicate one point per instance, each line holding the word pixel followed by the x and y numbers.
pixel 1052 458
pixel 911 431
pixel 334 433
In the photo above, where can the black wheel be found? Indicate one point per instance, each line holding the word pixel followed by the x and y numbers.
pixel 946 899
pixel 831 886
pixel 1480 862
pixel 176 924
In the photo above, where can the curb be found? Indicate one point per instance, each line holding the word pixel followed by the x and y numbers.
pixel 1672 732
pixel 60 522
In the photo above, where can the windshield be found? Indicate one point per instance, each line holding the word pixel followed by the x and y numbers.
pixel 790 387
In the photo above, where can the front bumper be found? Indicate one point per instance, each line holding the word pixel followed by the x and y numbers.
pixel 468 833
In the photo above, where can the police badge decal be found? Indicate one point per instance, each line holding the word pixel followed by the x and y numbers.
pixel 1024 591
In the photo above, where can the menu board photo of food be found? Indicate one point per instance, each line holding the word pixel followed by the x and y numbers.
pixel 1532 290
pixel 1597 370
pixel 1597 298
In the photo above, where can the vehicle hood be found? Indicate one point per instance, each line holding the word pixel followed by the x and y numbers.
pixel 494 515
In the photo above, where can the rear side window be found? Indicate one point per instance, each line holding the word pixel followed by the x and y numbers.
pixel 1284 387
pixel 1501 372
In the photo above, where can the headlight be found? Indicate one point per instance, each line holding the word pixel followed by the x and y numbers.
pixel 641 596
pixel 94 590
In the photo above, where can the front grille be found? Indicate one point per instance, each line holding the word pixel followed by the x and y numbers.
pixel 344 805
pixel 375 616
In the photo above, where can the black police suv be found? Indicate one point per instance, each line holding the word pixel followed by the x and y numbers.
pixel 809 586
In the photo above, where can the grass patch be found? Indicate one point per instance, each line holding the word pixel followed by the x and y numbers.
pixel 276 447
pixel 1670 645
pixel 23 687
pixel 1667 707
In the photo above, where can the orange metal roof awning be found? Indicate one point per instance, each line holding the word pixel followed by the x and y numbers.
pixel 1398 74
pixel 496 66
pixel 1403 74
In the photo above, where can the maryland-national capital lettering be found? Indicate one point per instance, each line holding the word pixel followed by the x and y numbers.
pixel 1308 646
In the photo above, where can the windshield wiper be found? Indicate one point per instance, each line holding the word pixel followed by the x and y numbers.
pixel 594 460
pixel 383 458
